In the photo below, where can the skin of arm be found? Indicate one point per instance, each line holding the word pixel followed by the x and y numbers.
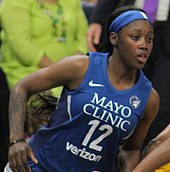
pixel 157 153
pixel 129 153
pixel 68 71
pixel 164 135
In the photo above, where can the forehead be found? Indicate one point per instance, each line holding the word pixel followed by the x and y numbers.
pixel 143 25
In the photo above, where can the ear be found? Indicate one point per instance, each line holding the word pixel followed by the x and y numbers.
pixel 113 38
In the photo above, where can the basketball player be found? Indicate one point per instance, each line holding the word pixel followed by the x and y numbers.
pixel 106 101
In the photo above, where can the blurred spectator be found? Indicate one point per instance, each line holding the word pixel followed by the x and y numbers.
pixel 100 13
pixel 37 33
pixel 88 7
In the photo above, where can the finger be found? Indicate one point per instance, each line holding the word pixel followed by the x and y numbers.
pixel 13 164
pixel 90 44
pixel 15 170
pixel 25 162
pixel 32 156
pixel 92 48
pixel 97 36
pixel 20 163
pixel 90 36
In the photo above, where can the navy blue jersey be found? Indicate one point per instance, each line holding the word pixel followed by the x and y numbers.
pixel 89 123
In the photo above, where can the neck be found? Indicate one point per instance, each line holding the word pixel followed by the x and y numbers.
pixel 120 77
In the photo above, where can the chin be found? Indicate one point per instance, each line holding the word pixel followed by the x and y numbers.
pixel 140 66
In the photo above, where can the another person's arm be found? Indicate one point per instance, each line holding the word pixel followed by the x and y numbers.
pixel 157 153
pixel 130 151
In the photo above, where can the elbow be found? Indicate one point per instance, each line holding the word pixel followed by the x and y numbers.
pixel 20 88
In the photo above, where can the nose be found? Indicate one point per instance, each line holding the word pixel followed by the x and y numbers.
pixel 143 44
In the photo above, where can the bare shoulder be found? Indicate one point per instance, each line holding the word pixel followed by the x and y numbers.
pixel 68 71
pixel 79 61
pixel 76 60
pixel 71 69
pixel 76 65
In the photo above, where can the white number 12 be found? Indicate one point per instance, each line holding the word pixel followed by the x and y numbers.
pixel 95 143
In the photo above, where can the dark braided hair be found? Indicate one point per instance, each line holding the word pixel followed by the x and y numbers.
pixel 43 104
pixel 39 109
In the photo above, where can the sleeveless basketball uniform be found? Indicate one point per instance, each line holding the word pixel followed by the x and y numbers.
pixel 89 123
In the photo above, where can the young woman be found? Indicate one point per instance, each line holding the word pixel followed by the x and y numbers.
pixel 106 100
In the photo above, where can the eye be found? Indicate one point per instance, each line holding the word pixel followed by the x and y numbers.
pixel 150 39
pixel 135 37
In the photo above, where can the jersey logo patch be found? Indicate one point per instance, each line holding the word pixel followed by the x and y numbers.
pixel 134 102
pixel 92 84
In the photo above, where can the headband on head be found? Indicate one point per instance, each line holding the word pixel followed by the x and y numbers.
pixel 126 18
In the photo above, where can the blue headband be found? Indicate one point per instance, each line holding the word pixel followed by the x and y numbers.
pixel 126 18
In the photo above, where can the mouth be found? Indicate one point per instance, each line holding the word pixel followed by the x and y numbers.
pixel 142 58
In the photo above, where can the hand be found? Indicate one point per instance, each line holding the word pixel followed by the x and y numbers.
pixel 93 35
pixel 17 156
pixel 45 62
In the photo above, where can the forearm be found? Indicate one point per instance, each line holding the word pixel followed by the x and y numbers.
pixel 17 113
pixel 150 147
pixel 19 150
pixel 158 157
pixel 165 134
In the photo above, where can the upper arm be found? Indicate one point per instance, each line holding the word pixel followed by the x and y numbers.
pixel 69 71
pixel 136 139
pixel 129 152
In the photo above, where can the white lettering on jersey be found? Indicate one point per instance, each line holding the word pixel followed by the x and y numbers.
pixel 82 153
pixel 121 112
